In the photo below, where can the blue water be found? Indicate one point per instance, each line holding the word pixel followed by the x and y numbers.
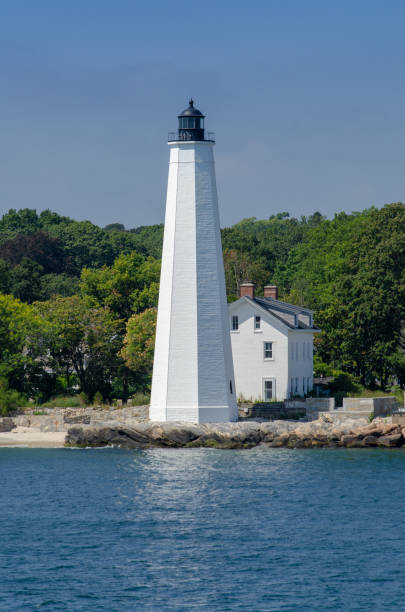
pixel 257 530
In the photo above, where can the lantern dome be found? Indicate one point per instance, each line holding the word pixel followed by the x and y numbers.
pixel 191 111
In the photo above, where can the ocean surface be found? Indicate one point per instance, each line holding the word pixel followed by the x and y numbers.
pixel 258 530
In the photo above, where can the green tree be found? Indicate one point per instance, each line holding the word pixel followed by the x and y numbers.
pixel 139 343
pixel 148 239
pixel 45 250
pixel 81 339
pixel 26 280
pixel 18 324
pixel 58 284
pixel 24 221
pixel 115 227
pixel 240 267
pixel 130 285
pixel 85 244
pixel 5 277
pixel 351 270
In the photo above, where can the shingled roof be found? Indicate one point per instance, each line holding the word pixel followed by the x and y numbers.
pixel 287 313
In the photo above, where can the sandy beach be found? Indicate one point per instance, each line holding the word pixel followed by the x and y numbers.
pixel 22 436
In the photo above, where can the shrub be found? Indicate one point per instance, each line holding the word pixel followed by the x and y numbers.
pixel 9 399
pixel 84 400
pixel 398 392
pixel 140 399
pixel 321 368
pixel 98 399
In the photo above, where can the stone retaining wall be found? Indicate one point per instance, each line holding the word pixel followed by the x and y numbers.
pixel 378 406
pixel 271 411
pixel 61 419
pixel 312 403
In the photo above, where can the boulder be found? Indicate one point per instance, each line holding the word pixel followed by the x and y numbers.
pixel 351 441
pixel 6 424
pixel 270 430
pixel 81 418
pixel 369 430
pixel 302 441
pixel 279 441
pixel 391 440
pixel 370 440
pixel 229 435
pixel 388 428
pixel 174 434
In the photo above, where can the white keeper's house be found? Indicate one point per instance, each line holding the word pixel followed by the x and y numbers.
pixel 272 346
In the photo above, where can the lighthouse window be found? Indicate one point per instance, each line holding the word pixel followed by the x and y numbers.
pixel 230 387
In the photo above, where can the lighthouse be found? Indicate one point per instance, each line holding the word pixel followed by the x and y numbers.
pixel 193 377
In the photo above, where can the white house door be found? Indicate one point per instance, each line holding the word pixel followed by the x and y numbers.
pixel 269 389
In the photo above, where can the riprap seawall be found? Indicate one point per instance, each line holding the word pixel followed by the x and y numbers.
pixel 321 433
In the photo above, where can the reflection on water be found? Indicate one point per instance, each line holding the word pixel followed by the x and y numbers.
pixel 264 529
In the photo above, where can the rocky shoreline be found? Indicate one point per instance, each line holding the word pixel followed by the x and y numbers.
pixel 245 434
pixel 129 427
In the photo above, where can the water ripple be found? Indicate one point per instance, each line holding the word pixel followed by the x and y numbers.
pixel 258 530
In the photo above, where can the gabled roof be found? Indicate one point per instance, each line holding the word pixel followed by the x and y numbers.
pixel 282 311
pixel 273 304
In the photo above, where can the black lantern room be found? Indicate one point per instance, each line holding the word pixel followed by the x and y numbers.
pixel 191 126
pixel 191 123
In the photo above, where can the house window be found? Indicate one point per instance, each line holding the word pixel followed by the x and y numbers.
pixel 292 387
pixel 296 386
pixel 308 383
pixel 235 323
pixel 257 322
pixel 268 350
pixel 268 390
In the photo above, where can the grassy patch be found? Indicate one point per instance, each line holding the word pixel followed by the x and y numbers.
pixel 63 401
pixel 397 393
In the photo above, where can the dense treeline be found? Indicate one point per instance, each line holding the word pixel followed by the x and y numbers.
pixel 77 302
pixel 350 270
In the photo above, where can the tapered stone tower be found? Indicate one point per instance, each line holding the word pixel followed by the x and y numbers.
pixel 193 376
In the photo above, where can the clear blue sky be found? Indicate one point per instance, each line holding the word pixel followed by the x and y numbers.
pixel 306 99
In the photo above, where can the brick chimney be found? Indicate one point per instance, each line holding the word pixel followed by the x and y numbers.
pixel 271 291
pixel 247 288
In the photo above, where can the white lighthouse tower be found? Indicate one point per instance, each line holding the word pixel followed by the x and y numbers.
pixel 193 376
